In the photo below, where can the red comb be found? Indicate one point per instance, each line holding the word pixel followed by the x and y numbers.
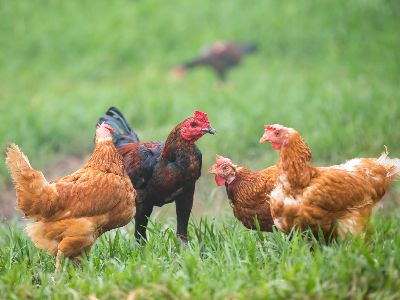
pixel 199 115
pixel 221 160
pixel 273 127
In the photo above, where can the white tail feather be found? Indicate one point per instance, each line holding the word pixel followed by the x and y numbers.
pixel 391 164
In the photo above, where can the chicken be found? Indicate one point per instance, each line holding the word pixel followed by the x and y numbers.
pixel 161 172
pixel 247 191
pixel 337 199
pixel 72 212
pixel 221 57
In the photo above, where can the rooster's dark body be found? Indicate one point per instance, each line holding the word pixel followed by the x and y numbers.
pixel 161 172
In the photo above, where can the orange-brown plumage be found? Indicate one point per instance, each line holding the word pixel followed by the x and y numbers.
pixel 338 199
pixel 247 191
pixel 71 212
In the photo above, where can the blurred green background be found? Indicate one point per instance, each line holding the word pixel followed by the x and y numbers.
pixel 330 69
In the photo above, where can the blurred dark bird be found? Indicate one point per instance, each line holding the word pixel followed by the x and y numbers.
pixel 161 172
pixel 221 57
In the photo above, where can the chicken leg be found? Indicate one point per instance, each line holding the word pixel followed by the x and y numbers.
pixel 184 204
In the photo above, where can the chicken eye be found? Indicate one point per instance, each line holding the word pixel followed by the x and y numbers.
pixel 193 125
pixel 276 133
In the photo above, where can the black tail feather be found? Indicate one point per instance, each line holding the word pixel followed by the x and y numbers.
pixel 249 48
pixel 123 133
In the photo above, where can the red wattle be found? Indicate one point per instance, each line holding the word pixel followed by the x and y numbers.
pixel 219 180
pixel 276 146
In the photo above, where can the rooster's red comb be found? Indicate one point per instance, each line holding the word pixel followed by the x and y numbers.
pixel 201 116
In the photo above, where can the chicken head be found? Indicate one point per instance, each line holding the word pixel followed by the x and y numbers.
pixel 224 170
pixel 179 72
pixel 277 135
pixel 195 127
pixel 103 132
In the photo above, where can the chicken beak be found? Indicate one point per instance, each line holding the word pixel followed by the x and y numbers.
pixel 209 130
pixel 213 169
pixel 264 138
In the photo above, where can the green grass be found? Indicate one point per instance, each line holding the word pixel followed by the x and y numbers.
pixel 330 69
pixel 222 261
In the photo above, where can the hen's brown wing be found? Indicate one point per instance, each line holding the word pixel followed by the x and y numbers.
pixel 90 192
pixel 338 190
pixel 250 197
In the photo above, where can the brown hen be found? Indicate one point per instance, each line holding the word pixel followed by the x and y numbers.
pixel 72 212
pixel 247 191
pixel 338 199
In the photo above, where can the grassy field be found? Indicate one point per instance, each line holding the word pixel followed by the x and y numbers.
pixel 223 261
pixel 330 69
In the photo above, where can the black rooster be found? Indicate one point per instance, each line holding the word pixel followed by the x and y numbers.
pixel 161 172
